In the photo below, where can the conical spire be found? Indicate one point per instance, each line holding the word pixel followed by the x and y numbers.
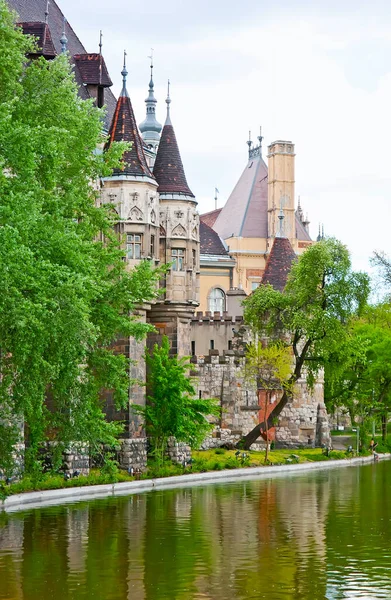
pixel 279 264
pixel 150 128
pixel 124 129
pixel 168 169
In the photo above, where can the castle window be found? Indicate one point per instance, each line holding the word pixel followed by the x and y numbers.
pixel 194 259
pixel 133 245
pixel 216 301
pixel 152 248
pixel 255 285
pixel 178 259
pixel 101 96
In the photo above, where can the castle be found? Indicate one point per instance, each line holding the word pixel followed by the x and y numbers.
pixel 216 259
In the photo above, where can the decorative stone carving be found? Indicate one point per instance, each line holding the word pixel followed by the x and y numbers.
pixel 136 214
pixel 179 231
pixel 153 216
pixel 179 214
pixel 195 233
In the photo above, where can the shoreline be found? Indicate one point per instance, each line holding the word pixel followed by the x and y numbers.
pixel 45 498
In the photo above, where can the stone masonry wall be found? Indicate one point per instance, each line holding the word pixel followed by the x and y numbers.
pixel 178 452
pixel 133 454
pixel 304 422
pixel 76 460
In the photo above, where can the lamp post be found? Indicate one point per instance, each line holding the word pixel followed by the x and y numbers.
pixel 358 438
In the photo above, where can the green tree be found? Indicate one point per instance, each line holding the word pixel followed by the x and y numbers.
pixel 269 366
pixel 358 373
pixel 172 410
pixel 65 291
pixel 311 314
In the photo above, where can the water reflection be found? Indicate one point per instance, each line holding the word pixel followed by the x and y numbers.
pixel 324 535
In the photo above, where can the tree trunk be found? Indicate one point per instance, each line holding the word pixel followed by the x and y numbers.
pixel 254 434
pixel 384 426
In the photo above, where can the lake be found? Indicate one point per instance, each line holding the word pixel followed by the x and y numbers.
pixel 319 535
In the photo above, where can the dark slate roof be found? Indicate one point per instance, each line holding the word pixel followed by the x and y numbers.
pixel 124 129
pixel 279 264
pixel 93 69
pixel 210 242
pixel 245 212
pixel 168 169
pixel 210 217
pixel 34 11
pixel 43 37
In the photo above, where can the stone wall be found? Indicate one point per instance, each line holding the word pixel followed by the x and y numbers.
pixel 215 331
pixel 76 460
pixel 132 455
pixel 178 452
pixel 303 422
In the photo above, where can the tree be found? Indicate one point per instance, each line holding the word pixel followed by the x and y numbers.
pixel 311 314
pixel 172 410
pixel 269 366
pixel 65 291
pixel 358 373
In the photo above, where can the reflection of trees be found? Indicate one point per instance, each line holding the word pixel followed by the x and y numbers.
pixel 11 552
pixel 359 528
pixel 258 539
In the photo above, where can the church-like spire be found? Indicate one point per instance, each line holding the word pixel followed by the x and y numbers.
pixel 168 169
pixel 124 129
pixel 150 128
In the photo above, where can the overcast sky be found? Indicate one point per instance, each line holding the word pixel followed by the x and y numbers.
pixel 316 73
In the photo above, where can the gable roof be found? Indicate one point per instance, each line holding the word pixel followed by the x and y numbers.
pixel 279 263
pixel 210 242
pixel 41 32
pixel 210 217
pixel 93 70
pixel 245 212
pixel 124 129
pixel 34 11
pixel 168 168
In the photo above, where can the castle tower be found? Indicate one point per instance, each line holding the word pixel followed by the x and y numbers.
pixel 281 190
pixel 150 128
pixel 179 243
pixel 131 191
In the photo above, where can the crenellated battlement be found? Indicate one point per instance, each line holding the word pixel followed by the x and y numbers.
pixel 212 317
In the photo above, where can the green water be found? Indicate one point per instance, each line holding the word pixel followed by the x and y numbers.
pixel 321 535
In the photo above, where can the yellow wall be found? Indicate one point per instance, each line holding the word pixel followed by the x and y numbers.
pixel 212 277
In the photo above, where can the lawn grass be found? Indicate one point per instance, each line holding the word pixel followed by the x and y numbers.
pixel 216 459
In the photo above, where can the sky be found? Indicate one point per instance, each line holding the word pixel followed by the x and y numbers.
pixel 315 73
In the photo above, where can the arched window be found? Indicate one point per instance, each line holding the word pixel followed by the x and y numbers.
pixel 216 300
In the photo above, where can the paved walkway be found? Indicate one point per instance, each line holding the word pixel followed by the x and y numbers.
pixel 341 442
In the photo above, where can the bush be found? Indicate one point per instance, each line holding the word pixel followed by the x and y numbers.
pixel 220 451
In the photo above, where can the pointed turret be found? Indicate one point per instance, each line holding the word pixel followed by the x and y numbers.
pixel 168 169
pixel 124 129
pixel 279 263
pixel 150 128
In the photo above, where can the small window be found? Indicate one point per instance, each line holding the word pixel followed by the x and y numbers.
pixel 193 348
pixel 101 96
pixel 133 246
pixel 194 259
pixel 254 285
pixel 229 344
pixel 178 259
pixel 212 344
pixel 152 247
pixel 216 301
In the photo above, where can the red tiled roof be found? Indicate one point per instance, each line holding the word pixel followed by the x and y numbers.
pixel 41 32
pixel 93 69
pixel 209 218
pixel 168 169
pixel 279 264
pixel 34 11
pixel 124 129
pixel 210 242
